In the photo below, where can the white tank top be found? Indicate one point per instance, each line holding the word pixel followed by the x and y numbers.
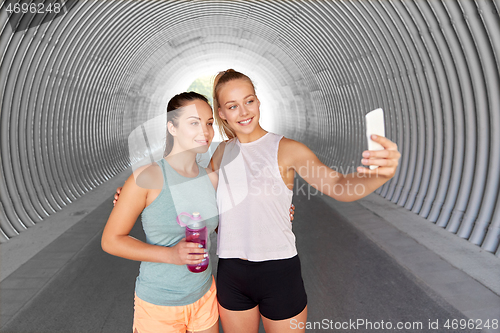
pixel 254 202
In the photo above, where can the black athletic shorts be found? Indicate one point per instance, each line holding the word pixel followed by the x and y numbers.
pixel 276 286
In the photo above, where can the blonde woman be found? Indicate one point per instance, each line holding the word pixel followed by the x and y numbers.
pixel 259 269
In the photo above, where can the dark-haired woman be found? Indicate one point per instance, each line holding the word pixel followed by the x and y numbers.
pixel 168 297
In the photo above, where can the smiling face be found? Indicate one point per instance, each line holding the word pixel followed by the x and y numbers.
pixel 239 106
pixel 194 131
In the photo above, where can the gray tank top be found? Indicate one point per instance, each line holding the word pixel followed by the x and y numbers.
pixel 169 284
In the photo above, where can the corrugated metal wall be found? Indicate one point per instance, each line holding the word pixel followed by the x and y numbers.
pixel 73 85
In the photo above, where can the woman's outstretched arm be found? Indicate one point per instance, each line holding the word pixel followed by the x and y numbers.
pixel 350 187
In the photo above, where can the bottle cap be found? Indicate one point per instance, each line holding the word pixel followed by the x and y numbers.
pixel 196 222
pixel 193 222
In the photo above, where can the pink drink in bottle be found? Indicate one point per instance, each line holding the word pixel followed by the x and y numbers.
pixel 196 232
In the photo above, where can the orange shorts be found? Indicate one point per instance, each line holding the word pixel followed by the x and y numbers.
pixel 198 316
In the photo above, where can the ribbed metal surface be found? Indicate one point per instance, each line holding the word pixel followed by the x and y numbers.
pixel 73 87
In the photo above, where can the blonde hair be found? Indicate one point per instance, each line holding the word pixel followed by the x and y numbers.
pixel 219 81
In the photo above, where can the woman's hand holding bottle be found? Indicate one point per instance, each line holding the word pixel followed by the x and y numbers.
pixel 184 253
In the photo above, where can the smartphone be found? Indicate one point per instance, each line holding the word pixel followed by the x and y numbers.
pixel 374 125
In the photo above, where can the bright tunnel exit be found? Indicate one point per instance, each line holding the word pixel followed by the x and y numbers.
pixel 147 139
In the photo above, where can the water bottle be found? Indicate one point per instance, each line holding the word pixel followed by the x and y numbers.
pixel 196 232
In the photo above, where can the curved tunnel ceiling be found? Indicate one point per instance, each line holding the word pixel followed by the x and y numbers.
pixel 74 85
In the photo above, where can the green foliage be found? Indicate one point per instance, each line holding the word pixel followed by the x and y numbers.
pixel 203 85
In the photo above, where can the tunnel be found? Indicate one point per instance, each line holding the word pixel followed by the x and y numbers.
pixel 75 81
pixel 75 86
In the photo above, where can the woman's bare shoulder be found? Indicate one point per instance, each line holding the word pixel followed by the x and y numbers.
pixel 291 152
pixel 290 145
pixel 149 176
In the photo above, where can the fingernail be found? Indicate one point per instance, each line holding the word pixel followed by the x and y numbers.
pixel 366 154
pixel 364 161
pixel 200 246
pixel 205 255
pixel 374 136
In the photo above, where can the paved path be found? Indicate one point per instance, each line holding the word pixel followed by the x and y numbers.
pixel 69 288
